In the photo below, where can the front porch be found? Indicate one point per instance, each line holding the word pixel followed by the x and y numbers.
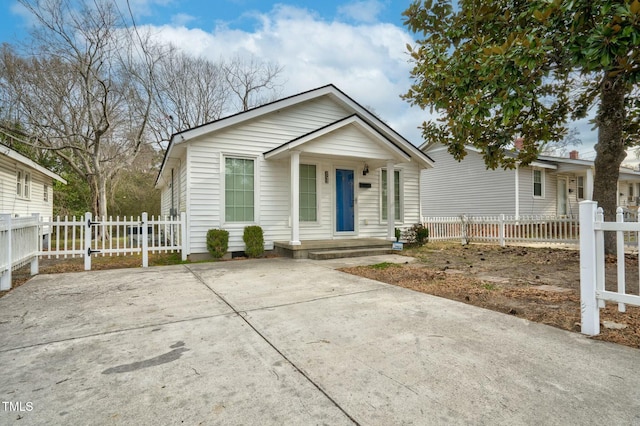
pixel 332 249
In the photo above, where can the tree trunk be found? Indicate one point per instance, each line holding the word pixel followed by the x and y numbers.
pixel 610 151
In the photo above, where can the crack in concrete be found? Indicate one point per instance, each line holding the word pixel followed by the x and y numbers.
pixel 272 345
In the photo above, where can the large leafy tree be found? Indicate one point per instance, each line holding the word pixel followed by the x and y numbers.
pixel 497 70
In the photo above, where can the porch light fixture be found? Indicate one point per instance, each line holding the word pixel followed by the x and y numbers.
pixel 365 169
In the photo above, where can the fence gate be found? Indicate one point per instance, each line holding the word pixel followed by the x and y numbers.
pixel 89 237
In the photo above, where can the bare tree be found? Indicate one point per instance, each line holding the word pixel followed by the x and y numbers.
pixel 189 91
pixel 560 148
pixel 82 90
pixel 254 82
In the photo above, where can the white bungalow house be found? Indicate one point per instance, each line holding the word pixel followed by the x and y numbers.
pixel 309 167
pixel 25 186
pixel 550 186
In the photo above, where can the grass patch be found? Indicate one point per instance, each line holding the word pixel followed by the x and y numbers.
pixel 384 265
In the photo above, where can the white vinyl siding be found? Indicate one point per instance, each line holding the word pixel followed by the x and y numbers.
pixel 308 193
pixel 272 177
pixel 397 195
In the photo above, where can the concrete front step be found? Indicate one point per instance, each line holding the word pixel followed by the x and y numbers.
pixel 343 253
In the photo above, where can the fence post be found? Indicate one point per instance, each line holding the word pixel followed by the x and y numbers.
pixel 183 235
pixel 87 241
pixel 620 258
pixel 5 276
pixel 465 240
pixel 145 241
pixel 589 312
pixel 502 219
pixel 35 266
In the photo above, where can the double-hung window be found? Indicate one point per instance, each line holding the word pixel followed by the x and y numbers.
pixel 23 184
pixel 239 190
pixel 580 187
pixel 308 193
pixel 538 183
pixel 396 193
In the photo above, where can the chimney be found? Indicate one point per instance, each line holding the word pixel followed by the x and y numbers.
pixel 574 155
pixel 518 143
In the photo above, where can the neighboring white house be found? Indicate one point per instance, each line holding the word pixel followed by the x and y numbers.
pixel 308 167
pixel 549 186
pixel 25 186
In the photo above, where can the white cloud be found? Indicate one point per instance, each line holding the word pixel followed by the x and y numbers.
pixel 368 61
pixel 361 11
pixel 181 19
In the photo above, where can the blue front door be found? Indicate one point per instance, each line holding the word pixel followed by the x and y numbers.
pixel 344 201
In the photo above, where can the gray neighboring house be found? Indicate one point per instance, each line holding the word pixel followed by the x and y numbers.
pixel 551 186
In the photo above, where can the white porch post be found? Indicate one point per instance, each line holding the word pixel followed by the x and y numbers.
pixel 295 198
pixel 391 208
pixel 589 185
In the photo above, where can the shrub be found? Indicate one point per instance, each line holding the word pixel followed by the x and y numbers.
pixel 398 234
pixel 217 242
pixel 417 234
pixel 253 240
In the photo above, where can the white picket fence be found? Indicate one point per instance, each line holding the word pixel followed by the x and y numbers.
pixel 504 229
pixel 18 245
pixel 593 294
pixel 25 239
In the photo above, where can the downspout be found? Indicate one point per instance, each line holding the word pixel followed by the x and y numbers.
pixel 173 205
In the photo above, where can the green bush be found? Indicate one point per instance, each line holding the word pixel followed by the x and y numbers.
pixel 398 234
pixel 217 242
pixel 253 241
pixel 417 234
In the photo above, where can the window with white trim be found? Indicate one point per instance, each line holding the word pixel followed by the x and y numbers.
pixel 538 183
pixel 308 193
pixel 23 184
pixel 396 193
pixel 45 190
pixel 239 190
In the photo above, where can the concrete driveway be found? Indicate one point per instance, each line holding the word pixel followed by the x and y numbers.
pixel 280 341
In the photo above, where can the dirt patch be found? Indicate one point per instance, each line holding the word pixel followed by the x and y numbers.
pixel 538 284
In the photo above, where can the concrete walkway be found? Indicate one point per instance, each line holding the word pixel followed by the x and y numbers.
pixel 281 341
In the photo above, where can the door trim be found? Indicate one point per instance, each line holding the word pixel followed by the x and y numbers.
pixel 335 201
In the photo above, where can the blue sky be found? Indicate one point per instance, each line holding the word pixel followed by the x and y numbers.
pixel 358 45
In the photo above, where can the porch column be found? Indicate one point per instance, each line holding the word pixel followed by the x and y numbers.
pixel 295 198
pixel 589 185
pixel 391 208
